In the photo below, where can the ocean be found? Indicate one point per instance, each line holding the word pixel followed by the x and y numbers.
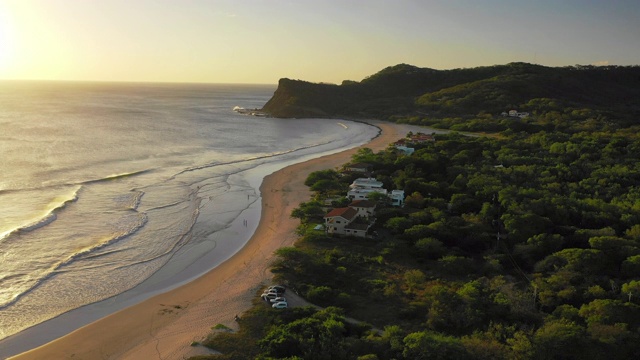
pixel 115 188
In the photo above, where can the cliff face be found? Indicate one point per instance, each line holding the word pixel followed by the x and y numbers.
pixel 408 90
pixel 295 98
pixel 384 91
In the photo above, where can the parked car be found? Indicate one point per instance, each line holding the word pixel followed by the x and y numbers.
pixel 280 305
pixel 268 296
pixel 278 299
pixel 278 288
pixel 271 291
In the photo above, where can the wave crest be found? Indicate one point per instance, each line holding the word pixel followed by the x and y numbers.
pixel 266 156
pixel 138 224
pixel 50 216
pixel 117 176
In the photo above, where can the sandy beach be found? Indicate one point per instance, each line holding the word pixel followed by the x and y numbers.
pixel 165 326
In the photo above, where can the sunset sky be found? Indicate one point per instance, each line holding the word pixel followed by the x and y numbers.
pixel 260 41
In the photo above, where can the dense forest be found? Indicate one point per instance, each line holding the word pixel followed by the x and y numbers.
pixel 524 246
pixel 521 243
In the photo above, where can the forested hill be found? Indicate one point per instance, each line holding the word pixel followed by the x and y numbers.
pixel 405 90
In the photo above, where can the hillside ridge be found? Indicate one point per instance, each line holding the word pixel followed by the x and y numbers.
pixel 405 90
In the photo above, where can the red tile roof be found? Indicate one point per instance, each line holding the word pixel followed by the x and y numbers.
pixel 421 137
pixel 347 213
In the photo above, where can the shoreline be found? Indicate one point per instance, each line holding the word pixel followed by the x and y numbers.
pixel 166 324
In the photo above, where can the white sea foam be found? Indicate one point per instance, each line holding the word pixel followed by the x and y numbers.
pixel 59 203
pixel 47 219
pixel 139 222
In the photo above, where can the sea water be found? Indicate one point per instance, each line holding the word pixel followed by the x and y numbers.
pixel 104 186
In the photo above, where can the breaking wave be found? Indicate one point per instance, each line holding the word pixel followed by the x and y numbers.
pixel 49 217
pixel 84 253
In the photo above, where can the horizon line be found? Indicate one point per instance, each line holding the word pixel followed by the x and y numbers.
pixel 135 82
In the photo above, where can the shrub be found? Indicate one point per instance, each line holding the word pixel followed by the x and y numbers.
pixel 320 294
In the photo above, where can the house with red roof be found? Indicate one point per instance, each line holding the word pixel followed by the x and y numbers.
pixel 342 221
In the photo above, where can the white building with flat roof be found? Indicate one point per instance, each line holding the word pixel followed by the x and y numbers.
pixel 397 197
pixel 362 193
pixel 366 183
pixel 362 187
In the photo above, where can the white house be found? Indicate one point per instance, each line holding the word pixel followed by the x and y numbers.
pixel 365 208
pixel 336 220
pixel 362 187
pixel 405 150
pixel 515 113
pixel 357 229
pixel 397 197
pixel 363 194
pixel 341 221
pixel 366 183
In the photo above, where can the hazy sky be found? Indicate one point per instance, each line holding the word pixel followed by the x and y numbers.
pixel 260 41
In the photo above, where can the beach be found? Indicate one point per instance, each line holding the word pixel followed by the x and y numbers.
pixel 166 325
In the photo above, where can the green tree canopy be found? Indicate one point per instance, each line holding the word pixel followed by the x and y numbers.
pixel 427 345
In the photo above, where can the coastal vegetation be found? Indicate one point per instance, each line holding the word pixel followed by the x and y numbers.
pixel 472 98
pixel 524 244
pixel 521 246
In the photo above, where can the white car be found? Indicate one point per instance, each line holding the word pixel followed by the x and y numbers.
pixel 269 296
pixel 278 288
pixel 280 305
pixel 278 299
pixel 271 291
